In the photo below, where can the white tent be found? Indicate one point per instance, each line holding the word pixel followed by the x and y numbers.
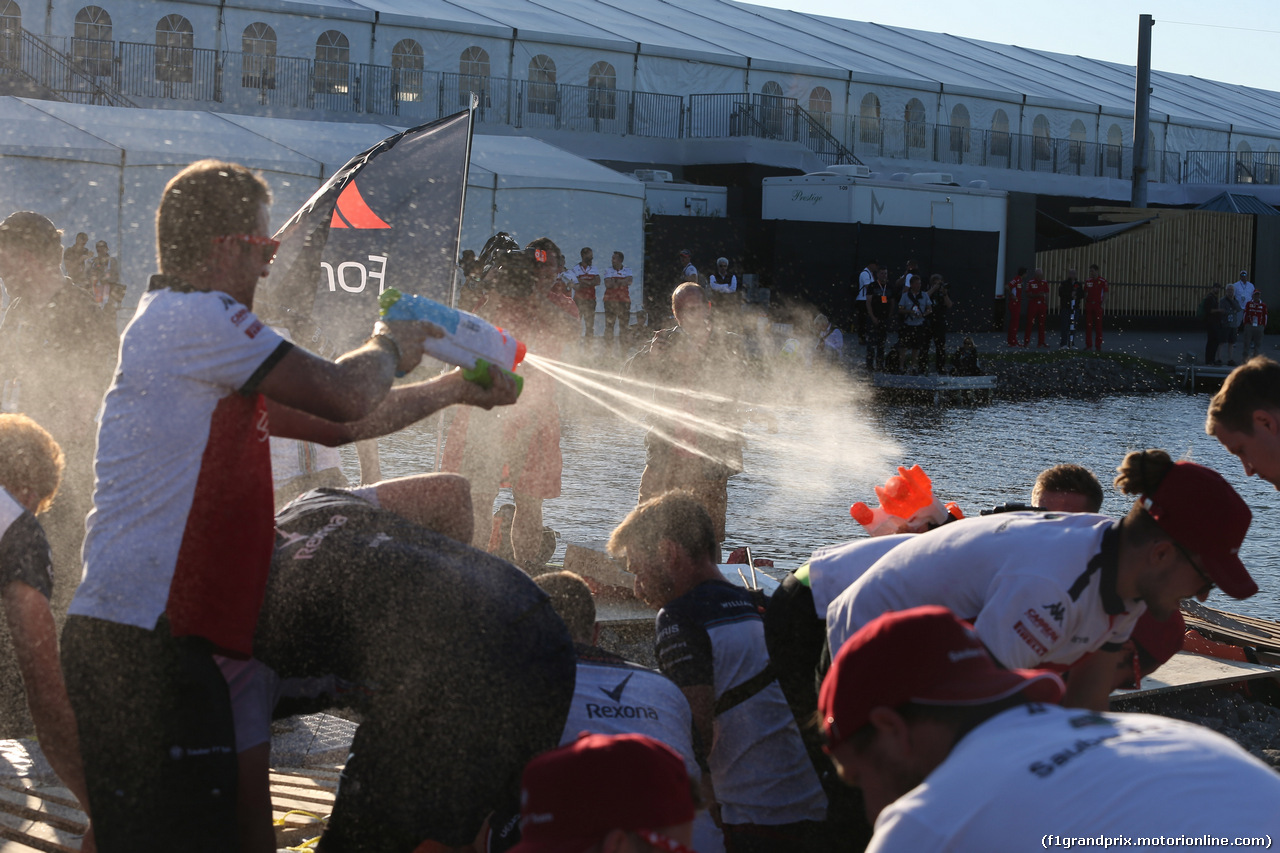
pixel 531 189
pixel 722 46
pixel 106 178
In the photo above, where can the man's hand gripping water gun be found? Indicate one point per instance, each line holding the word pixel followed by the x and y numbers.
pixel 469 342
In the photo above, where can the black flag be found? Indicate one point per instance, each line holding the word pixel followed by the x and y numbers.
pixel 390 217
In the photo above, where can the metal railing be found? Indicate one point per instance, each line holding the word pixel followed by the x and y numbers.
pixel 1233 167
pixel 90 71
pixel 175 73
pixel 55 69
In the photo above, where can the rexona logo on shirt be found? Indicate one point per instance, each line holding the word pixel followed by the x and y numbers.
pixel 618 711
pixel 352 211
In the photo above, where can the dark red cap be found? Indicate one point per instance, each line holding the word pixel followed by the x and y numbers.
pixel 1160 640
pixel 924 655
pixel 1198 508
pixel 572 797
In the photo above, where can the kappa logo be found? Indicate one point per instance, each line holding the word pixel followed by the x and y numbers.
pixel 1056 610
pixel 616 693
pixel 352 211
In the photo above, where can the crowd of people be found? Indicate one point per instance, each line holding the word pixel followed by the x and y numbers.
pixel 916 312
pixel 1236 312
pixel 932 690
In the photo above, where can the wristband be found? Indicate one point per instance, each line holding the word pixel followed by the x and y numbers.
pixel 382 332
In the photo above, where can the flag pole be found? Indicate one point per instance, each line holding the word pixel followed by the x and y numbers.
pixel 473 103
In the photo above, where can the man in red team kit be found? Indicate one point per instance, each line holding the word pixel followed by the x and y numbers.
pixel 1038 309
pixel 1095 292
pixel 1013 295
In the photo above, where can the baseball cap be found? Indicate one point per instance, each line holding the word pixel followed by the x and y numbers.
pixel 1200 510
pixel 686 252
pixel 1244 272
pixel 924 655
pixel 1160 640
pixel 571 797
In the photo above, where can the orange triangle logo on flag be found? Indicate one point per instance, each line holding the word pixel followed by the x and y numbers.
pixel 352 211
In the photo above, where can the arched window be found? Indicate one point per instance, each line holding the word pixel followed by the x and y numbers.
pixel 771 108
pixel 960 128
pixel 258 62
pixel 473 75
pixel 869 119
pixel 1078 136
pixel 602 99
pixel 175 61
pixel 10 32
pixel 332 65
pixel 91 42
pixel 913 124
pixel 1000 134
pixel 406 70
pixel 1115 146
pixel 1244 163
pixel 1041 144
pixel 542 85
pixel 820 105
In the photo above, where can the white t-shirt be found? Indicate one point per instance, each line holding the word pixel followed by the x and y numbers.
pixel 728 284
pixel 612 696
pixel 1037 772
pixel 1037 586
pixel 181 356
pixel 865 280
pixel 833 569
pixel 1244 291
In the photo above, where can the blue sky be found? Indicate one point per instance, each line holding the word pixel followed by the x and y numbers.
pixel 1235 41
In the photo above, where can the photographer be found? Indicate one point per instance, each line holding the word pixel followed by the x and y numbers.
pixel 940 295
pixel 914 308
pixel 523 439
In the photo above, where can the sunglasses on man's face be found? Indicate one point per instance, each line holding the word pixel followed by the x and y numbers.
pixel 266 246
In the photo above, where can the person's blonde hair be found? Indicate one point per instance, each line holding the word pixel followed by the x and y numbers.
pixel 676 516
pixel 29 459
pixel 208 199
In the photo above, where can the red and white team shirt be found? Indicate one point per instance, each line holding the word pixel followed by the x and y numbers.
pixel 183 518
pixel 614 291
pixel 1255 314
pixel 1039 588
pixel 1094 291
pixel 1038 291
pixel 1014 290
pixel 585 279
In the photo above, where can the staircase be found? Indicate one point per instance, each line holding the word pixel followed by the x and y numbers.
pixel 32 66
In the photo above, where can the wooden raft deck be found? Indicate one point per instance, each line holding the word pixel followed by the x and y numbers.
pixel 942 389
pixel 37 816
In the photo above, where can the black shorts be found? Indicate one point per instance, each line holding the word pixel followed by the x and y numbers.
pixel 156 737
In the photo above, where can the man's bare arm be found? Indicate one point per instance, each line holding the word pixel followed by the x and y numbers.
pixel 353 385
pixel 405 405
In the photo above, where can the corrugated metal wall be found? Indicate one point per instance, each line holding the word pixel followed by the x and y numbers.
pixel 1163 268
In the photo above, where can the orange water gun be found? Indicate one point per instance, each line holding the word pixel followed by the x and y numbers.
pixel 907 505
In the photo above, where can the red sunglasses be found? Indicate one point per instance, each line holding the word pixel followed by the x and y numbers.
pixel 267 246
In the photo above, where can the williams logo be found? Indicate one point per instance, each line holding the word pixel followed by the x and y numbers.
pixel 616 693
pixel 352 211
